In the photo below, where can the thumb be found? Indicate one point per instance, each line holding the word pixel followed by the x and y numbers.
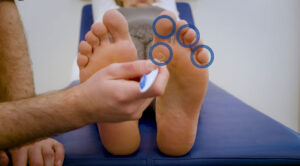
pixel 3 159
pixel 129 70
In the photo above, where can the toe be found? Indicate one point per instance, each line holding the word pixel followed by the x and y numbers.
pixel 116 25
pixel 164 26
pixel 202 57
pixel 100 31
pixel 201 54
pixel 161 53
pixel 92 39
pixel 189 37
pixel 183 31
pixel 85 48
pixel 82 61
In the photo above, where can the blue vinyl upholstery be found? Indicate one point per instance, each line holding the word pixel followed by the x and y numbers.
pixel 229 132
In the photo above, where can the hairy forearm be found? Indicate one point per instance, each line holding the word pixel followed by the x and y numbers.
pixel 16 79
pixel 30 119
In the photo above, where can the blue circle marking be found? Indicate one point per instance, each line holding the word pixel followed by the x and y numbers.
pixel 197 35
pixel 161 63
pixel 164 36
pixel 212 56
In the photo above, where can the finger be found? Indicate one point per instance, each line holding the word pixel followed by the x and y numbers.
pixel 4 160
pixel 48 155
pixel 59 154
pixel 19 156
pixel 127 90
pixel 35 155
pixel 159 84
pixel 133 92
pixel 129 70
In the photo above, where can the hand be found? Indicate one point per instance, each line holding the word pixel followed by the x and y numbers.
pixel 46 152
pixel 112 95
pixel 3 159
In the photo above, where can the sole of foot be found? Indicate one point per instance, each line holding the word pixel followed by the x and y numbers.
pixel 97 52
pixel 178 109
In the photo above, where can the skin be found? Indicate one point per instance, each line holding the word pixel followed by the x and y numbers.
pixel 4 160
pixel 47 152
pixel 16 82
pixel 14 56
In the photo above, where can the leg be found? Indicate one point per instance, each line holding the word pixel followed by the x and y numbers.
pixel 178 109
pixel 98 52
pixel 4 51
pixel 16 79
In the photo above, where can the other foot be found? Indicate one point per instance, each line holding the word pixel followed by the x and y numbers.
pixel 98 52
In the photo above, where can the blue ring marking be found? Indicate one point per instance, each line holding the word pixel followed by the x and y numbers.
pixel 212 56
pixel 197 35
pixel 164 36
pixel 161 63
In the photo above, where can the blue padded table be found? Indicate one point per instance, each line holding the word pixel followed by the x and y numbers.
pixel 229 133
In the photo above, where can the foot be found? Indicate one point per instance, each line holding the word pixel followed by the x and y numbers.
pixel 177 111
pixel 98 52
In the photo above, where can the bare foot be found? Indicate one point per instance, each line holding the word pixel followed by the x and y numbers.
pixel 98 52
pixel 178 109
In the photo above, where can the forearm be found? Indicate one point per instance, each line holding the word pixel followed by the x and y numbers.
pixel 16 80
pixel 29 119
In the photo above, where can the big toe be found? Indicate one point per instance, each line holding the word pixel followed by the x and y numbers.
pixel 116 25
pixel 165 26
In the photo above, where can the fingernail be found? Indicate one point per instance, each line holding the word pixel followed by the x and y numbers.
pixel 59 163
